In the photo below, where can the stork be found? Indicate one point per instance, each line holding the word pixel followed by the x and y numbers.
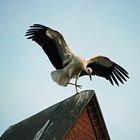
pixel 69 65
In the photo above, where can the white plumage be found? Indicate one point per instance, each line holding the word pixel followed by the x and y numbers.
pixel 67 64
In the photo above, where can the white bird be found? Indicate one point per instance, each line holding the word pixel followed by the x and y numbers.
pixel 69 65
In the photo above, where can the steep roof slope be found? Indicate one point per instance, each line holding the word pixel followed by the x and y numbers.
pixel 54 122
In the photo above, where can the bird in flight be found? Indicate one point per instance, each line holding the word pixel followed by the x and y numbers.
pixel 68 65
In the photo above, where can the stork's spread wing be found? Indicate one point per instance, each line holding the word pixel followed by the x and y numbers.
pixel 52 43
pixel 104 67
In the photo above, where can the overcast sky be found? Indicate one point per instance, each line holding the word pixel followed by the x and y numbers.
pixel 90 27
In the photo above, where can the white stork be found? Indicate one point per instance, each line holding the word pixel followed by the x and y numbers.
pixel 68 65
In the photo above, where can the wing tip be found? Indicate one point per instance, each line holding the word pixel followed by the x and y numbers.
pixel 119 74
pixel 34 30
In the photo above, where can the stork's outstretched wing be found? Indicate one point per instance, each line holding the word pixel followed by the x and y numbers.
pixel 104 67
pixel 52 43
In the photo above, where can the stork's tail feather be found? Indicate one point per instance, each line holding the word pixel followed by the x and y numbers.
pixel 60 77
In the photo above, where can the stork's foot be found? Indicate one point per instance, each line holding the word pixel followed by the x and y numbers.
pixel 77 86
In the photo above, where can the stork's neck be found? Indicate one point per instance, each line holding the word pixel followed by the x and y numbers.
pixel 80 61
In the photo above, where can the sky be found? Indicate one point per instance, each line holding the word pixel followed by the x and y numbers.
pixel 90 27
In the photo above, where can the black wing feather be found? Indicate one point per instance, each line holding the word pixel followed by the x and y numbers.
pixel 37 33
pixel 118 76
pixel 122 70
pixel 110 79
pixel 114 78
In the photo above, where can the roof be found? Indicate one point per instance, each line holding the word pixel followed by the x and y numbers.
pixel 54 122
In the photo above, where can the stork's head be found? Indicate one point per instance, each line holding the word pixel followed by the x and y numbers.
pixel 89 72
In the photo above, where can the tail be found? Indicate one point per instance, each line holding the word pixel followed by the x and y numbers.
pixel 60 77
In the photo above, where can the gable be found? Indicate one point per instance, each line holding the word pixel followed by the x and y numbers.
pixel 55 122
